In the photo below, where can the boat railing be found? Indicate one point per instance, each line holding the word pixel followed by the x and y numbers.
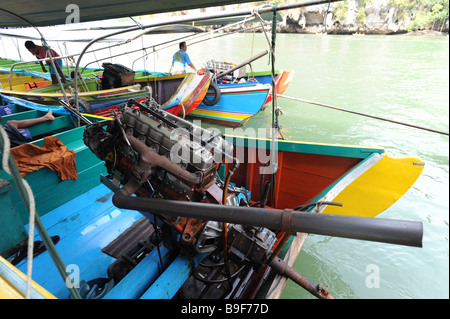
pixel 198 38
pixel 169 43
pixel 67 56
pixel 28 62
pixel 203 17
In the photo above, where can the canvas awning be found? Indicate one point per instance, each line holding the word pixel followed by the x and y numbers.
pixel 51 12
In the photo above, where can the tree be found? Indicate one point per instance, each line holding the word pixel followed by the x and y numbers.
pixel 439 12
pixel 423 13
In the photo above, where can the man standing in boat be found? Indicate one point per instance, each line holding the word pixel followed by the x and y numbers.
pixel 181 59
pixel 41 53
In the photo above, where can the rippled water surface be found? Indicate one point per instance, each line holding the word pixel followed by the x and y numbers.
pixel 402 78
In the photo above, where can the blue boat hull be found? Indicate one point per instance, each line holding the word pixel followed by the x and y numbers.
pixel 238 103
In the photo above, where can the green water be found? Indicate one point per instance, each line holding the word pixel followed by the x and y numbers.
pixel 401 78
pixel 397 77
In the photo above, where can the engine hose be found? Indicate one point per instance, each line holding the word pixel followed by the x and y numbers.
pixel 225 228
pixel 86 108
pixel 264 196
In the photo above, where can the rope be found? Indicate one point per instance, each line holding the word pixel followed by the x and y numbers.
pixel 23 190
pixel 182 107
pixel 68 59
pixel 27 199
pixel 144 52
pixel 275 125
pixel 154 69
pixel 363 114
pixel 272 53
pixel 32 210
pixel 18 50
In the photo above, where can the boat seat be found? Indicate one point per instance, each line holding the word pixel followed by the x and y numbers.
pixel 60 122
pixel 94 223
pixel 46 184
pixel 7 113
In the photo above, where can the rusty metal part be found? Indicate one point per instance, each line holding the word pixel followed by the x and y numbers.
pixel 280 245
pixel 131 187
pixel 286 221
pixel 150 156
pixel 282 268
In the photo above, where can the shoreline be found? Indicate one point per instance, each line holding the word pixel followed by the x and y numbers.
pixel 357 33
pixel 320 29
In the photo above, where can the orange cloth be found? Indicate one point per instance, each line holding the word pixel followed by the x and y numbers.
pixel 54 155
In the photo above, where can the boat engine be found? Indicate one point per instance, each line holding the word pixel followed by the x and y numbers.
pixel 152 153
pixel 116 76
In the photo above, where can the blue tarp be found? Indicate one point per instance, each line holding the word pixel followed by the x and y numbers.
pixel 45 75
pixel 35 106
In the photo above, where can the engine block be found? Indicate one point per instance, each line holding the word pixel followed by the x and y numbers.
pixel 152 153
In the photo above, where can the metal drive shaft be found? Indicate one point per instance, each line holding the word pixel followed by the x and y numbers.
pixel 399 232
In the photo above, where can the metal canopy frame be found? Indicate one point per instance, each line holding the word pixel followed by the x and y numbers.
pixel 234 13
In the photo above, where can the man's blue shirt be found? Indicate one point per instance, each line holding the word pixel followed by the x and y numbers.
pixel 180 60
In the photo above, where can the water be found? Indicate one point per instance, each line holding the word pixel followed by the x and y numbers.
pixel 401 78
pixel 397 77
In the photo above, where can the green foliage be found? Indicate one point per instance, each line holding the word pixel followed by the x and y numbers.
pixel 341 11
pixel 439 11
pixel 424 13
pixel 361 15
pixel 363 3
pixel 421 21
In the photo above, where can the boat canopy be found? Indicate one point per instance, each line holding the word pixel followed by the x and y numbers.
pixel 87 34
pixel 50 12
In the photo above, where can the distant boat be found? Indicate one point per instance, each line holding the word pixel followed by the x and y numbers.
pixel 241 98
pixel 176 94
pixel 21 80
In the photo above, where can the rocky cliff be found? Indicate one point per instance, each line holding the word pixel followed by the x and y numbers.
pixel 355 16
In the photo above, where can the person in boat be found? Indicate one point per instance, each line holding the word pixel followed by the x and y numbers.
pixel 13 128
pixel 40 53
pixel 181 59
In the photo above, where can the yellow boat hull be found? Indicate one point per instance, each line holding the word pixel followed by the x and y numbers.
pixel 10 276
pixel 377 188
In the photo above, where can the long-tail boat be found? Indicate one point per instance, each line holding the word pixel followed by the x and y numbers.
pixel 234 96
pixel 157 207
pixel 232 99
pixel 239 102
pixel 176 94
pixel 21 80
pixel 101 232
pixel 231 103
